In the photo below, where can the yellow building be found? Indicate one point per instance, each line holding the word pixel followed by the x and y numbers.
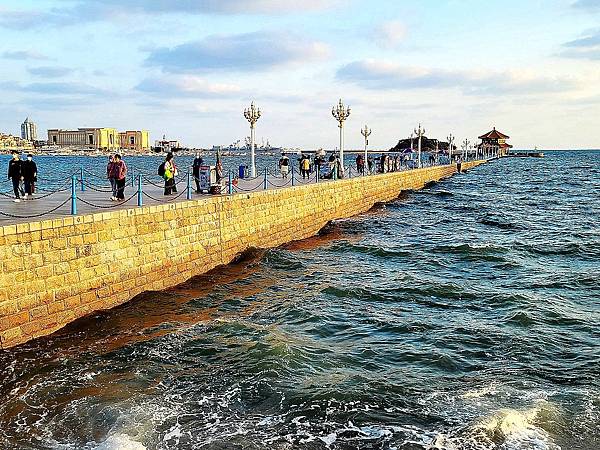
pixel 10 142
pixel 93 138
pixel 134 140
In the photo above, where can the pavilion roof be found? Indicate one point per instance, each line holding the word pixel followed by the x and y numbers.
pixel 494 134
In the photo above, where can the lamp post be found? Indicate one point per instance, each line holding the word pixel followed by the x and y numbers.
pixel 366 132
pixel 450 143
pixel 419 133
pixel 252 114
pixel 465 147
pixel 341 113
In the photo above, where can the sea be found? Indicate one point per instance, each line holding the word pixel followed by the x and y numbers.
pixel 464 316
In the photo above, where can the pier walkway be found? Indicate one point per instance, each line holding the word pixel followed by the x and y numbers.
pixel 86 193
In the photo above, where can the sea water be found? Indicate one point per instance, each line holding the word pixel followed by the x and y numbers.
pixel 462 316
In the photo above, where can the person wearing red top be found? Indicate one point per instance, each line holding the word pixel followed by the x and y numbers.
pixel 119 172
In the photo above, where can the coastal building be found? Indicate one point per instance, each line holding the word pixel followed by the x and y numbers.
pixel 137 141
pixel 167 145
pixel 494 142
pixel 29 130
pixel 9 142
pixel 91 138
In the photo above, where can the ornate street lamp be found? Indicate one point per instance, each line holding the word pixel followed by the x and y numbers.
pixel 465 147
pixel 366 132
pixel 252 114
pixel 419 133
pixel 341 113
pixel 450 143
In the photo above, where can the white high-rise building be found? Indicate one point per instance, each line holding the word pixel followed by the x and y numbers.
pixel 29 130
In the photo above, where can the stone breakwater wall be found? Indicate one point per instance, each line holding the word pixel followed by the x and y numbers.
pixel 56 271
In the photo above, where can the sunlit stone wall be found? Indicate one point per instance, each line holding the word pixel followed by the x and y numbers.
pixel 56 271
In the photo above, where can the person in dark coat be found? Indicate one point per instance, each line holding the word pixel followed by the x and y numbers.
pixel 29 173
pixel 14 174
pixel 198 162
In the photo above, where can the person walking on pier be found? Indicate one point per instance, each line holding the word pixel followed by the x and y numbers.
pixel 111 178
pixel 284 165
pixel 198 162
pixel 360 164
pixel 29 172
pixel 169 174
pixel 120 173
pixel 15 174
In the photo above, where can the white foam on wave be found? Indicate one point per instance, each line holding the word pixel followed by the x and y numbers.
pixel 120 442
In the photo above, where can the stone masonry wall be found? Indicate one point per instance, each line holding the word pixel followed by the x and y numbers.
pixel 56 271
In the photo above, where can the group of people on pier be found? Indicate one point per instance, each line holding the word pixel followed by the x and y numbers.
pixel 23 174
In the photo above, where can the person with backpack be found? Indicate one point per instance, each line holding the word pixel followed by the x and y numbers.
pixel 284 165
pixel 198 162
pixel 120 174
pixel 29 173
pixel 15 174
pixel 168 170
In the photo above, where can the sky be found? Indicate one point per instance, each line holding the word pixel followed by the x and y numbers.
pixel 188 68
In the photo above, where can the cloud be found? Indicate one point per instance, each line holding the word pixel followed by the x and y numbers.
pixel 23 55
pixel 218 6
pixel 20 19
pixel 49 71
pixel 55 89
pixel 97 10
pixel 587 4
pixel 373 74
pixel 390 34
pixel 586 47
pixel 187 86
pixel 240 52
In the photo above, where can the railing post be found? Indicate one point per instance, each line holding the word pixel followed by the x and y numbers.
pixel 230 185
pixel 292 175
pixel 189 186
pixel 73 195
pixel 140 201
pixel 266 178
pixel 81 178
pixel 132 177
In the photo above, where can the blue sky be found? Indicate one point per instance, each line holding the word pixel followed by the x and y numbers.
pixel 187 68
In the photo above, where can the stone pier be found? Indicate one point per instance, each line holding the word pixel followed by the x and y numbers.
pixel 56 271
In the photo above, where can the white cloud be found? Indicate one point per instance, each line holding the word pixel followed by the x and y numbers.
pixel 187 86
pixel 390 34
pixel 257 51
pixel 96 10
pixel 375 74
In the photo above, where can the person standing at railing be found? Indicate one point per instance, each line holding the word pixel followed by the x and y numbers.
pixel 120 172
pixel 169 174
pixel 284 165
pixel 305 167
pixel 198 162
pixel 15 174
pixel 111 177
pixel 29 173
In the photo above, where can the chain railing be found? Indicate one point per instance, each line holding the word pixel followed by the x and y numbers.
pixel 84 180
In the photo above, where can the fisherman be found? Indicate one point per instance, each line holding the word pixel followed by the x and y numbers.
pixel 15 174
pixel 284 165
pixel 29 173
